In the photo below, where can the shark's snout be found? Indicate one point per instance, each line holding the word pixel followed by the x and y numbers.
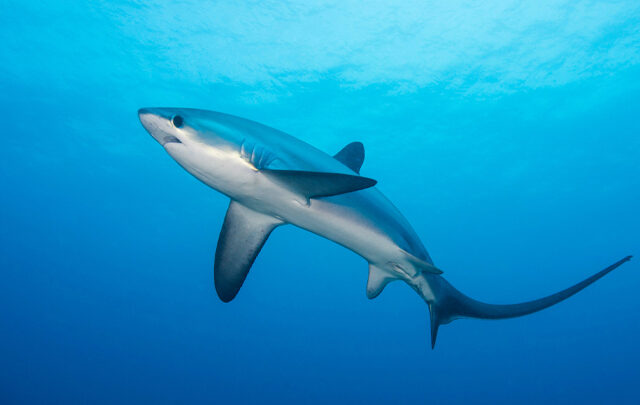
pixel 146 117
pixel 157 125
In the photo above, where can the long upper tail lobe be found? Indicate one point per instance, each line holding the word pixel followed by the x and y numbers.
pixel 447 303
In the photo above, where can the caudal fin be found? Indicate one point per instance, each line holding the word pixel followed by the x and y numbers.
pixel 449 304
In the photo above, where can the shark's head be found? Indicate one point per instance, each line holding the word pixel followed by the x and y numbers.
pixel 186 128
pixel 210 145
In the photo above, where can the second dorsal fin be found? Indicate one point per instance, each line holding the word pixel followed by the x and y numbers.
pixel 351 156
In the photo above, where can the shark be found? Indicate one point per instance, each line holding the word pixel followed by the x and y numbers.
pixel 272 178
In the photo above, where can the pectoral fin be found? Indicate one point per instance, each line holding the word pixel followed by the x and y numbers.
pixel 318 184
pixel 243 234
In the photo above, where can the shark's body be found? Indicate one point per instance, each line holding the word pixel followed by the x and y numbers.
pixel 273 178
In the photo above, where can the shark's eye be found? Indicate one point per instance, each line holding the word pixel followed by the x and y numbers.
pixel 177 121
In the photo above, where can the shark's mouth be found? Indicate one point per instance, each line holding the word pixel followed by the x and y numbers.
pixel 170 139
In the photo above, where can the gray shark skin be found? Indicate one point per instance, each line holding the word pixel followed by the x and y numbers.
pixel 273 179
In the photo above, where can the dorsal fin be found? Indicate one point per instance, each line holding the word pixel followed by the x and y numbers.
pixel 352 156
pixel 243 234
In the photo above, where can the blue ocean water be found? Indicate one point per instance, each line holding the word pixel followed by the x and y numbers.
pixel 507 133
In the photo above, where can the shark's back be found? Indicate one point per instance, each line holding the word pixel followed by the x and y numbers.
pixel 368 206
